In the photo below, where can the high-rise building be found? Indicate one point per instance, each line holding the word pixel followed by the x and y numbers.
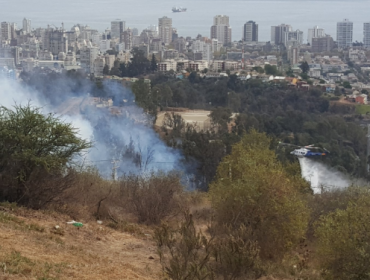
pixel 315 32
pixel 221 29
pixel 322 44
pixel 6 31
pixel 26 25
pixel 165 29
pixel 127 39
pixel 344 34
pixel 87 58
pixel 221 20
pixel 55 41
pixel 250 32
pixel 277 33
pixel 117 27
pixel 367 34
pixel 293 36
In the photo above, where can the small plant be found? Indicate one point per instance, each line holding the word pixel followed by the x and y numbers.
pixel 184 253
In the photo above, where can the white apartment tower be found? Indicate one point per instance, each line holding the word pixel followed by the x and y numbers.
pixel 165 30
pixel 344 34
pixel 221 20
pixel 250 32
pixel 117 27
pixel 367 35
pixel 26 26
pixel 315 32
pixel 221 29
pixel 6 31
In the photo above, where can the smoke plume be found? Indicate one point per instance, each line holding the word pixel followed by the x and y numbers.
pixel 124 134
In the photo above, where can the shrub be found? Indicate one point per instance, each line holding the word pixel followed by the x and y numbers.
pixel 184 253
pixel 34 152
pixel 343 244
pixel 151 198
pixel 253 189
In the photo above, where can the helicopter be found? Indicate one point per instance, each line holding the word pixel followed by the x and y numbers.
pixel 306 151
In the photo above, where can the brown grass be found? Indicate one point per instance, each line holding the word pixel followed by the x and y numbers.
pixel 32 248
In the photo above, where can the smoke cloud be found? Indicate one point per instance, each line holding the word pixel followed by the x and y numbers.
pixel 124 133
pixel 322 177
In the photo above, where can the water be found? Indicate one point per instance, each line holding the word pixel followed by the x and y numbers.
pixel 321 176
pixel 301 14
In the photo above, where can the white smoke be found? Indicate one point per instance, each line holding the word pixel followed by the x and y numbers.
pixel 322 177
pixel 110 135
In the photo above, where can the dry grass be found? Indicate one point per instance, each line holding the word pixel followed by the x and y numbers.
pixel 32 248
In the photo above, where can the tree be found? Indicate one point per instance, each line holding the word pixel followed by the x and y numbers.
pixel 106 70
pixel 344 240
pixel 221 117
pixel 139 64
pixel 271 70
pixel 34 148
pixel 115 71
pixel 305 67
pixel 153 64
pixel 253 189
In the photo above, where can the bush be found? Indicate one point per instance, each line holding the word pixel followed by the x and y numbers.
pixel 153 198
pixel 253 189
pixel 184 253
pixel 35 150
pixel 344 240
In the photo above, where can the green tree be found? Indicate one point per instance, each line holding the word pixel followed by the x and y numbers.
pixel 271 70
pixel 106 70
pixel 34 146
pixel 115 71
pixel 221 117
pixel 153 64
pixel 344 240
pixel 305 67
pixel 347 85
pixel 139 64
pixel 253 189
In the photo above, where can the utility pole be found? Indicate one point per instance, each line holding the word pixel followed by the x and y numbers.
pixel 114 169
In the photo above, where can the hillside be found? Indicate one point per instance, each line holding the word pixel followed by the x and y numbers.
pixel 32 248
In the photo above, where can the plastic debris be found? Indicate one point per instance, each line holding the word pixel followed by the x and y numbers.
pixel 74 223
pixel 99 222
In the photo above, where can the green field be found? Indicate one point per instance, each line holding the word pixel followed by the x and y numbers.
pixel 363 109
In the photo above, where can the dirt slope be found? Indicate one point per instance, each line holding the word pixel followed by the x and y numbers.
pixel 32 248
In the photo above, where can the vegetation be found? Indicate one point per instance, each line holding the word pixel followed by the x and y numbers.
pixel 35 151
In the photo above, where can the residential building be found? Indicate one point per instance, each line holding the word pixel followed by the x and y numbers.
pixel 344 34
pixel 250 32
pixel 104 45
pixel 277 33
pixel 55 41
pixel 199 65
pixel 322 44
pixel 127 39
pixel 292 36
pixel 165 30
pixel 221 20
pixel 87 58
pixel 98 64
pixel 26 26
pixel 367 35
pixel 315 32
pixel 117 27
pixel 221 29
pixel 5 31
pixel 167 65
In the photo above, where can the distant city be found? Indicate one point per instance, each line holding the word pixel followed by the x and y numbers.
pixel 85 49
